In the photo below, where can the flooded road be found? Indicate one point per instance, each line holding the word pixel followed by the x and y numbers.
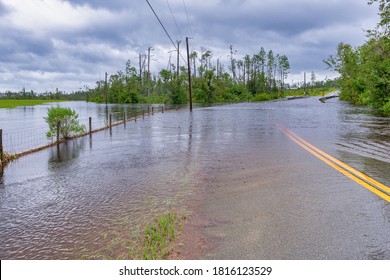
pixel 261 195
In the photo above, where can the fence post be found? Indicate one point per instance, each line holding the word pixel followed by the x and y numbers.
pixel 90 126
pixel 162 109
pixel 1 147
pixel 58 132
pixel 124 118
pixel 143 113
pixel 110 123
pixel 152 110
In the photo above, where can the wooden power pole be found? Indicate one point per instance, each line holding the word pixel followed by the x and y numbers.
pixel 140 68
pixel 105 91
pixel 189 73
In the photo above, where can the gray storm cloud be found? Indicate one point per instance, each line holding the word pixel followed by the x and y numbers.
pixel 67 44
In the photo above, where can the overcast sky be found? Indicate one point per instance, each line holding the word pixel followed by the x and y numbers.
pixel 49 44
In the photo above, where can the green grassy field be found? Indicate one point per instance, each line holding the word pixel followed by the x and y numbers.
pixel 12 103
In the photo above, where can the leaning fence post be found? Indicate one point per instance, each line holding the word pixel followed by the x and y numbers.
pixel 110 123
pixel 1 147
pixel 90 126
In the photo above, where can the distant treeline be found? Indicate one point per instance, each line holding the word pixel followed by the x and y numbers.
pixel 257 77
pixel 365 70
pixel 48 95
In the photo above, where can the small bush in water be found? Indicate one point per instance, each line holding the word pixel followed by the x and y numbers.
pixel 68 120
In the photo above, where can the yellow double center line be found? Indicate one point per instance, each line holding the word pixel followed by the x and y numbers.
pixel 369 183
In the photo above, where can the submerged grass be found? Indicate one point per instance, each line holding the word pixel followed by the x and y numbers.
pixel 13 103
pixel 154 241
pixel 159 236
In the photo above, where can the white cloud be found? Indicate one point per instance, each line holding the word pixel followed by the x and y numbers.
pixel 43 16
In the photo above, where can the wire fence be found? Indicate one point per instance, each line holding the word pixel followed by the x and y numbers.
pixel 15 142
pixel 27 140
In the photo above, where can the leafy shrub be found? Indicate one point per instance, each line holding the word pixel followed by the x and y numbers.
pixel 68 120
pixel 386 109
pixel 261 97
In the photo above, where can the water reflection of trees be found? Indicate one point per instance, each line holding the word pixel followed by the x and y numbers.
pixel 67 151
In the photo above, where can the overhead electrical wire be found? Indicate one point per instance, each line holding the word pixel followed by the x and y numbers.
pixel 188 20
pixel 162 25
pixel 174 19
pixel 166 32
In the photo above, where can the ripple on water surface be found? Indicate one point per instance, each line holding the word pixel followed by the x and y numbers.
pixel 92 196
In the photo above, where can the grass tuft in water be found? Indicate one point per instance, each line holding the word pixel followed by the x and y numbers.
pixel 154 241
pixel 158 237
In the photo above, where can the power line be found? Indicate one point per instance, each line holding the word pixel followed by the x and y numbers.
pixel 162 25
pixel 174 19
pixel 188 20
pixel 166 32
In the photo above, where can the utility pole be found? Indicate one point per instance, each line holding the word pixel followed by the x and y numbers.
pixel 140 68
pixel 105 91
pixel 304 84
pixel 149 49
pixel 178 60
pixel 189 74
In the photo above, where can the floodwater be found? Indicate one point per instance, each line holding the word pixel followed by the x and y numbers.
pixel 24 127
pixel 90 197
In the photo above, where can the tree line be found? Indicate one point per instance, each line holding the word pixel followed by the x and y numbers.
pixel 365 70
pixel 260 76
pixel 257 77
pixel 23 94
